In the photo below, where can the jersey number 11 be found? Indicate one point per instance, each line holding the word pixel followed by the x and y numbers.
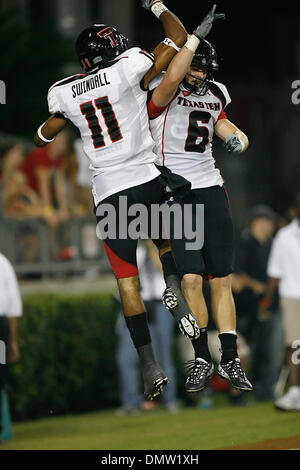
pixel 89 111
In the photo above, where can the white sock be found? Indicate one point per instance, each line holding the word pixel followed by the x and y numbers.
pixel 294 389
pixel 231 332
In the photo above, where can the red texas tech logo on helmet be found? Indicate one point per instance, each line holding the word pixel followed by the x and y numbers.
pixel 107 33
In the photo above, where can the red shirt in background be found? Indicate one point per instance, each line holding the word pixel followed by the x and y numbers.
pixel 39 158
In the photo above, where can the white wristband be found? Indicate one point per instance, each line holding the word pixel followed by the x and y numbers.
pixel 169 42
pixel 241 142
pixel 192 42
pixel 39 133
pixel 158 8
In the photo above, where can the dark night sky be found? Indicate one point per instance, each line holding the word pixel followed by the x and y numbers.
pixel 253 41
pixel 257 50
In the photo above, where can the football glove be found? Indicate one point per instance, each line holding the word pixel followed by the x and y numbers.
pixel 204 28
pixel 147 4
pixel 233 144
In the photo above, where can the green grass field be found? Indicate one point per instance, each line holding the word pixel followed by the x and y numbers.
pixel 189 429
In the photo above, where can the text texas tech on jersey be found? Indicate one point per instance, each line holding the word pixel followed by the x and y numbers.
pixel 183 133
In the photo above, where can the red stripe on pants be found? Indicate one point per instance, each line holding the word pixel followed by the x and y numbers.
pixel 121 268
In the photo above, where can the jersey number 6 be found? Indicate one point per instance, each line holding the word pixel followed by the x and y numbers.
pixel 89 111
pixel 198 136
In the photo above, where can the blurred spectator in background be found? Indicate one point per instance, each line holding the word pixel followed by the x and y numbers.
pixel 10 311
pixel 284 270
pixel 19 200
pixel 51 185
pixel 261 328
pixel 44 169
pixel 78 182
pixel 12 156
pixel 83 178
pixel 161 324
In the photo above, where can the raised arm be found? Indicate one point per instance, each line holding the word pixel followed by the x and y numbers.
pixel 174 32
pixel 180 64
pixel 50 129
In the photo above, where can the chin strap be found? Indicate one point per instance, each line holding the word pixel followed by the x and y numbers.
pixel 201 90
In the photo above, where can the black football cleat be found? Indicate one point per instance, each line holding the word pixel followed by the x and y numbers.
pixel 154 381
pixel 199 372
pixel 233 372
pixel 187 323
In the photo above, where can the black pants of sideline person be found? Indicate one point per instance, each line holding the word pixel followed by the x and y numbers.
pixel 4 336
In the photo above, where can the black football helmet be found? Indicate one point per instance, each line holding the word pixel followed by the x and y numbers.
pixel 204 57
pixel 98 44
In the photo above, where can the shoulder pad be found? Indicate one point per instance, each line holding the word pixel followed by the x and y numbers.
pixel 220 91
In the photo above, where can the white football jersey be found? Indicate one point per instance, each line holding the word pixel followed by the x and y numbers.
pixel 183 133
pixel 110 110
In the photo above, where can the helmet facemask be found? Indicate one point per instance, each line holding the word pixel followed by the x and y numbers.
pixel 205 58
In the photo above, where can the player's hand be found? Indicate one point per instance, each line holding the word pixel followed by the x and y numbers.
pixel 233 144
pixel 147 4
pixel 204 28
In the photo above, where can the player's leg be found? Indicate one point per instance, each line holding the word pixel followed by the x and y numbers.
pixel 137 324
pixel 223 305
pixel 177 261
pixel 189 266
pixel 224 314
pixel 202 367
pixel 173 298
pixel 193 292
pixel 192 289
pixel 121 252
pixel 218 256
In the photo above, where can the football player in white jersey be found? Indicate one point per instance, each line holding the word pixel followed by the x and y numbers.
pixel 183 122
pixel 108 103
